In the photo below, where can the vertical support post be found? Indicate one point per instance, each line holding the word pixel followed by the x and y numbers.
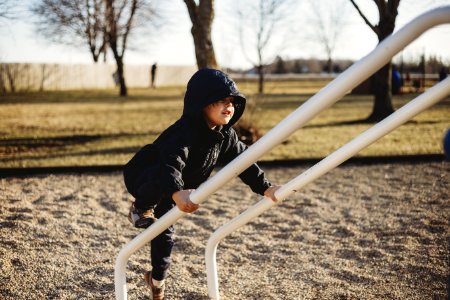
pixel 137 243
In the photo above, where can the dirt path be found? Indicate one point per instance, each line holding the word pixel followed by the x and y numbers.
pixel 360 232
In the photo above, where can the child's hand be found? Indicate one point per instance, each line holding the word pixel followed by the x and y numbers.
pixel 183 202
pixel 270 192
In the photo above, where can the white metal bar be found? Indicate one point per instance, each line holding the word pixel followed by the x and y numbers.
pixel 334 91
pixel 135 244
pixel 424 101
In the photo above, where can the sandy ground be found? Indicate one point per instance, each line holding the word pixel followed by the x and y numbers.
pixel 376 231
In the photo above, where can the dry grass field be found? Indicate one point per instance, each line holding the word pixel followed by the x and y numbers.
pixel 74 128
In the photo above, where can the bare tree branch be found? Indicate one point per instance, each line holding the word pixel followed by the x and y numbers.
pixel 72 22
pixel 241 39
pixel 328 25
pixel 264 21
pixel 364 17
pixel 192 9
pixel 128 26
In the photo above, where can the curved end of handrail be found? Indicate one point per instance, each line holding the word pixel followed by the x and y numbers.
pixel 120 280
pixel 221 233
pixel 135 244
pixel 211 267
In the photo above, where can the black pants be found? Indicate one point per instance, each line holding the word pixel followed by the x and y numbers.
pixel 148 192
pixel 149 195
pixel 161 246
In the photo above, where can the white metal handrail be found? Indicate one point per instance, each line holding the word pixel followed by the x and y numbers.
pixel 331 93
pixel 424 101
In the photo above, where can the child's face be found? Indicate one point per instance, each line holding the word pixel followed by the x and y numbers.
pixel 219 112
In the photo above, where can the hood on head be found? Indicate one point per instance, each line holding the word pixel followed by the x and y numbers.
pixel 207 86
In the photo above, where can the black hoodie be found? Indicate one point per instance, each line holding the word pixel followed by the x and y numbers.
pixel 185 154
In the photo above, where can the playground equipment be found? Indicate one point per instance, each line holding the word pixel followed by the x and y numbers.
pixel 334 91
pixel 424 101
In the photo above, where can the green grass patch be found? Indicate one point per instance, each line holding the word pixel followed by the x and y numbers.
pixel 78 128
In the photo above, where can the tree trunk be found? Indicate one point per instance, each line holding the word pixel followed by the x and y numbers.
pixel 2 79
pixel 204 50
pixel 112 34
pixel 123 86
pixel 330 65
pixel 11 79
pixel 202 17
pixel 381 80
pixel 93 52
pixel 381 86
pixel 41 87
pixel 260 70
pixel 120 72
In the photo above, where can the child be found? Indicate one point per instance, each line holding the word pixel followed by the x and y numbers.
pixel 163 174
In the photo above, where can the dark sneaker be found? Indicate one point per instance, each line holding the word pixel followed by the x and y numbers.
pixel 141 218
pixel 157 292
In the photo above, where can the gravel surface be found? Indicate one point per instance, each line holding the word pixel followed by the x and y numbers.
pixel 378 231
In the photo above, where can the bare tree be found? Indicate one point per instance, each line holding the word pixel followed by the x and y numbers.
pixel 202 16
pixel 10 73
pixel 381 80
pixel 258 24
pixel 3 79
pixel 328 24
pixel 122 18
pixel 119 20
pixel 97 23
pixel 73 22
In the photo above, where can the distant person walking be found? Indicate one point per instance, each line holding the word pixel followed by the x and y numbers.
pixel 153 75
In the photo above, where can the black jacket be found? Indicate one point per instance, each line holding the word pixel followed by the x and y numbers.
pixel 185 154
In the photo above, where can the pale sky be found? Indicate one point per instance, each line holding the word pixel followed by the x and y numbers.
pixel 173 45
